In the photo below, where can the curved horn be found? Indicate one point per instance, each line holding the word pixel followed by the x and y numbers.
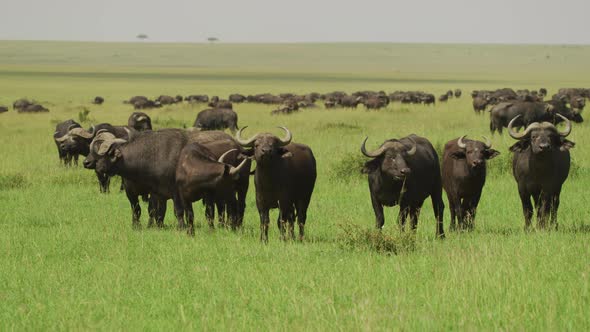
pixel 92 128
pixel 81 132
pixel 516 135
pixel 288 136
pixel 63 138
pixel 141 118
pixel 568 126
pixel 460 142
pixel 222 157
pixel 245 143
pixel 411 151
pixel 235 170
pixel 72 126
pixel 372 154
pixel 106 145
pixel 488 143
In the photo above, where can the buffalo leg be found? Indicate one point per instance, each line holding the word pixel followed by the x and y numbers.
pixel 264 222
pixel 190 217
pixel 554 207
pixel 135 209
pixel 414 214
pixel 402 216
pixel 152 210
pixel 209 210
pixel 178 210
pixel 221 215
pixel 452 207
pixel 527 209
pixel 378 209
pixel 543 210
pixel 231 207
pixel 439 208
pixel 161 212
pixel 301 207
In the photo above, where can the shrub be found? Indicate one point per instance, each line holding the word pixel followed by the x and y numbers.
pixel 354 237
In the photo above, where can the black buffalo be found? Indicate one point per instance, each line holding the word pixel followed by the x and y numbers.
pixel 540 166
pixel 405 172
pixel 217 119
pixel 463 177
pixel 62 129
pixel 199 175
pixel 98 100
pixel 284 178
pixel 139 121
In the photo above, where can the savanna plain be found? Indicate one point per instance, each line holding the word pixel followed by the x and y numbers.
pixel 70 260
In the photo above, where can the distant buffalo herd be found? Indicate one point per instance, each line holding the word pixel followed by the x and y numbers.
pixel 205 163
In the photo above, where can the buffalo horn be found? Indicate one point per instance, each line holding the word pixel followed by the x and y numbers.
pixel 460 142
pixel 372 154
pixel 488 143
pixel 288 136
pixel 245 143
pixel 411 151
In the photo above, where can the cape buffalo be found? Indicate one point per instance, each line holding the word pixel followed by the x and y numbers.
pixel 61 130
pixel 237 98
pixel 199 175
pixel 98 100
pixel 540 166
pixel 501 114
pixel 284 178
pixel 139 121
pixel 217 119
pixel 405 172
pixel 33 108
pixel 21 104
pixel 463 177
pixel 3 109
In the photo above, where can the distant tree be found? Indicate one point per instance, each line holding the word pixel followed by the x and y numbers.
pixel 142 36
pixel 212 39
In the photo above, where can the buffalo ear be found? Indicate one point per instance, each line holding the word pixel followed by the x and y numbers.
pixel 285 153
pixel 115 154
pixel 491 153
pixel 518 147
pixel 458 155
pixel 370 166
pixel 566 145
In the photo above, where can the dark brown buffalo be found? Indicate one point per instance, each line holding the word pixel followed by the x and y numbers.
pixel 33 108
pixel 502 113
pixel 197 98
pixel 146 104
pixel 540 166
pixel 375 102
pixel 405 172
pixel 3 109
pixel 450 93
pixel 458 93
pixel 443 97
pixel 543 92
pixel 21 104
pixel 463 177
pixel 62 129
pixel 226 104
pixel 98 100
pixel 237 98
pixel 139 121
pixel 200 176
pixel 217 119
pixel 428 99
pixel 329 103
pixel 284 178
pixel 167 100
pixel 350 101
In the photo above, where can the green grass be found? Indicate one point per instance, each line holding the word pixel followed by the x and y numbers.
pixel 70 259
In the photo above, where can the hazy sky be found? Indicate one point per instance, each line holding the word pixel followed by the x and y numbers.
pixel 491 21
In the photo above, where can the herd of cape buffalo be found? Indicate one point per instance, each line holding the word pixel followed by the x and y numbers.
pixel 205 163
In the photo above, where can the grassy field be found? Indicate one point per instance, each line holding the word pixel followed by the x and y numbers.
pixel 70 260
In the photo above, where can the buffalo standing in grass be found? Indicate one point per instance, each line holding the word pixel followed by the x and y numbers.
pixel 217 119
pixel 98 100
pixel 62 129
pixel 463 177
pixel 3 109
pixel 405 172
pixel 540 166
pixel 284 178
pixel 199 175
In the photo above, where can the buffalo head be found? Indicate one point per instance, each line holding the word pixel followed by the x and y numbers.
pixel 75 139
pixel 266 146
pixel 104 152
pixel 390 158
pixel 542 137
pixel 474 152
